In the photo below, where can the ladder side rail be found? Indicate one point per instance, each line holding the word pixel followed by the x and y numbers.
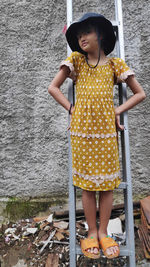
pixel 72 212
pixel 128 192
pixel 122 140
pixel 72 191
pixel 125 150
pixel 69 20
pixel 121 117
pixel 120 54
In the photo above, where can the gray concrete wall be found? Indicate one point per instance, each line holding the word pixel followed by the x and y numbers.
pixel 34 146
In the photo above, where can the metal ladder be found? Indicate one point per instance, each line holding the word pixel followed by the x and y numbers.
pixel 129 249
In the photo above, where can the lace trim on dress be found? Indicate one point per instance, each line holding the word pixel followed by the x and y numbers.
pixel 72 74
pixel 124 76
pixel 94 135
pixel 97 179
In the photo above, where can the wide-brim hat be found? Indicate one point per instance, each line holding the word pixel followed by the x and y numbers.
pixel 102 24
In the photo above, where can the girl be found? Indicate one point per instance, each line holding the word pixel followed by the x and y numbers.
pixel 94 120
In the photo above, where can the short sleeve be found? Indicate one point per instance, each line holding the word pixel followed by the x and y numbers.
pixel 122 71
pixel 71 62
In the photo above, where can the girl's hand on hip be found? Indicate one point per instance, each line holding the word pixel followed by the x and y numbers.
pixel 117 118
pixel 118 125
pixel 72 110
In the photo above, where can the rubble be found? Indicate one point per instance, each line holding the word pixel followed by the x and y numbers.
pixel 52 260
pixel 44 241
pixel 114 226
pixel 61 225
pixel 47 241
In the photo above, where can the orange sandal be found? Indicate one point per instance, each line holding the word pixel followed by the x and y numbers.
pixel 108 242
pixel 89 243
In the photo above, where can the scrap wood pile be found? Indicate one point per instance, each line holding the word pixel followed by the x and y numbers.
pixel 45 240
pixel 42 237
pixel 144 228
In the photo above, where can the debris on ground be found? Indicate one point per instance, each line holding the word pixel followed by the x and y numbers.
pixel 44 241
pixel 114 226
pixel 52 260
pixel 144 228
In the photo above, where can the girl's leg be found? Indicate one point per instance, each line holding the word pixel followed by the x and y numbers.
pixel 89 206
pixel 105 207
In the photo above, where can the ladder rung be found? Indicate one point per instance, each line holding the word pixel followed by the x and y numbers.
pixel 124 251
pixel 123 185
pixel 115 24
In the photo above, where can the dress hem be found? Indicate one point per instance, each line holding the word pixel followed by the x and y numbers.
pixel 98 189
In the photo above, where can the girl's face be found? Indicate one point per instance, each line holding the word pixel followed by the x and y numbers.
pixel 88 40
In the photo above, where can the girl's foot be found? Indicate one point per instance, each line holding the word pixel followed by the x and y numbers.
pixel 86 247
pixel 111 251
pixel 93 235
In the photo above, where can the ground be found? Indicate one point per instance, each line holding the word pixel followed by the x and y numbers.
pixel 25 251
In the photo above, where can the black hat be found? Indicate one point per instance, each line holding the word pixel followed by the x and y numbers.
pixel 103 25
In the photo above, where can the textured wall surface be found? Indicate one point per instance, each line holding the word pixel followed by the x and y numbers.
pixel 34 146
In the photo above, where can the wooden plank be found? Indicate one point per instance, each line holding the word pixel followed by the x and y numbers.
pixel 59 236
pixel 147 254
pixel 61 224
pixel 144 220
pixel 47 241
pixel 40 219
pixel 145 236
pixel 145 204
pixel 52 260
pixel 80 212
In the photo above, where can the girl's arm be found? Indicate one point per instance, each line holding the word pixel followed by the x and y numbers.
pixel 138 96
pixel 54 87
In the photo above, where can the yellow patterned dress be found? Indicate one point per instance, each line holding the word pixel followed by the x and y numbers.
pixel 95 159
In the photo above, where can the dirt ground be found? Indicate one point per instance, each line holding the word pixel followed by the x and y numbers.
pixel 25 251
